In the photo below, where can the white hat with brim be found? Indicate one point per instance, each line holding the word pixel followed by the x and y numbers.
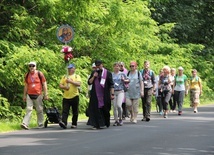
pixel 32 63
pixel 180 68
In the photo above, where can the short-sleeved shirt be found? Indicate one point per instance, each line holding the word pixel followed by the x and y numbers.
pixel 180 82
pixel 118 83
pixel 195 83
pixel 34 85
pixel 73 91
pixel 148 78
pixel 165 83
pixel 134 88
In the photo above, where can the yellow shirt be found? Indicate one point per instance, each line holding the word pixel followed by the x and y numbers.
pixel 73 90
pixel 194 83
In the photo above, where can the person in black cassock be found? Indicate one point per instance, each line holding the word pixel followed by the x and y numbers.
pixel 102 93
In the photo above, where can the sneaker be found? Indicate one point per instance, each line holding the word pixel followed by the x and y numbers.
pixel 174 111
pixel 165 116
pixel 24 126
pixel 41 126
pixel 147 119
pixel 115 123
pixel 135 121
pixel 73 126
pixel 180 112
pixel 62 125
pixel 120 123
pixel 144 119
pixel 94 128
pixel 131 119
pixel 161 113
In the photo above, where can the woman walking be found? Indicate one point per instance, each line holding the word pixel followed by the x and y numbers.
pixel 165 89
pixel 180 89
pixel 135 91
pixel 118 78
pixel 195 87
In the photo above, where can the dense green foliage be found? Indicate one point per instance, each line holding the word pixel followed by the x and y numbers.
pixel 110 30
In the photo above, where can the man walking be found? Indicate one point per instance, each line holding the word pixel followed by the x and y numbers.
pixel 34 83
pixel 149 89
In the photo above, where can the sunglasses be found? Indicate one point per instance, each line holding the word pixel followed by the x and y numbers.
pixel 31 65
pixel 132 66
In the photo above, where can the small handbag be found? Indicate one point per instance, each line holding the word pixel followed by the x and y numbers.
pixel 33 97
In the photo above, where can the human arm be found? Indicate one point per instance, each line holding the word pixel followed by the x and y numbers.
pixel 45 89
pixel 142 88
pixel 200 86
pixel 76 83
pixel 25 92
pixel 186 85
pixel 92 77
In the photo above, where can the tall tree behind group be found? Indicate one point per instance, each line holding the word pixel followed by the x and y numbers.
pixel 108 29
pixel 194 23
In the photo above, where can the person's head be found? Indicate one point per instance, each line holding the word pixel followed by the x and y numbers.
pixel 161 72
pixel 99 64
pixel 122 66
pixel 32 66
pixel 71 68
pixel 173 71
pixel 133 65
pixel 194 72
pixel 116 66
pixel 146 64
pixel 166 70
pixel 64 30
pixel 180 70
pixel 93 66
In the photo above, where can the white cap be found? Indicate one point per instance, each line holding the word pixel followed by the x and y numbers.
pixel 32 63
pixel 180 68
pixel 93 65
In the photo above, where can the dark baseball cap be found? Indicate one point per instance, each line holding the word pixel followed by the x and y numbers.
pixel 98 62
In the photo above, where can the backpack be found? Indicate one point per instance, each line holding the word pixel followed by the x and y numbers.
pixel 39 74
pixel 138 73
pixel 150 72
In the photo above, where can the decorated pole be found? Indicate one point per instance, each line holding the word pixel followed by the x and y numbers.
pixel 65 34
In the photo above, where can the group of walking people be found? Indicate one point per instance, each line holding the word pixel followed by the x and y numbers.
pixel 121 88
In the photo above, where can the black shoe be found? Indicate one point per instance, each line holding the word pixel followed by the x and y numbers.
pixel 62 125
pixel 147 119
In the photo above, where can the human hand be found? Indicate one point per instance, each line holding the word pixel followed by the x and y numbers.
pixel 142 94
pixel 24 98
pixel 46 97
pixel 95 74
pixel 112 96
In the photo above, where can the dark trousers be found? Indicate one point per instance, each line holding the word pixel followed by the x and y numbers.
pixel 125 111
pixel 74 104
pixel 172 103
pixel 159 103
pixel 146 102
pixel 165 97
pixel 179 99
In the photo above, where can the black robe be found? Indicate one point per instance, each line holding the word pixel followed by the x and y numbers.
pixel 100 117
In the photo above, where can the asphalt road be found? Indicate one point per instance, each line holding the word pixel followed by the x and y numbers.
pixel 189 134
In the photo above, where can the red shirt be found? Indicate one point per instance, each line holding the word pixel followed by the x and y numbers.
pixel 33 82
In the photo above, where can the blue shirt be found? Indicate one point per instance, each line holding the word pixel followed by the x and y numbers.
pixel 117 78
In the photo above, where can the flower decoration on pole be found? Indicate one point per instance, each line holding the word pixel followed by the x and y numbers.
pixel 67 50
